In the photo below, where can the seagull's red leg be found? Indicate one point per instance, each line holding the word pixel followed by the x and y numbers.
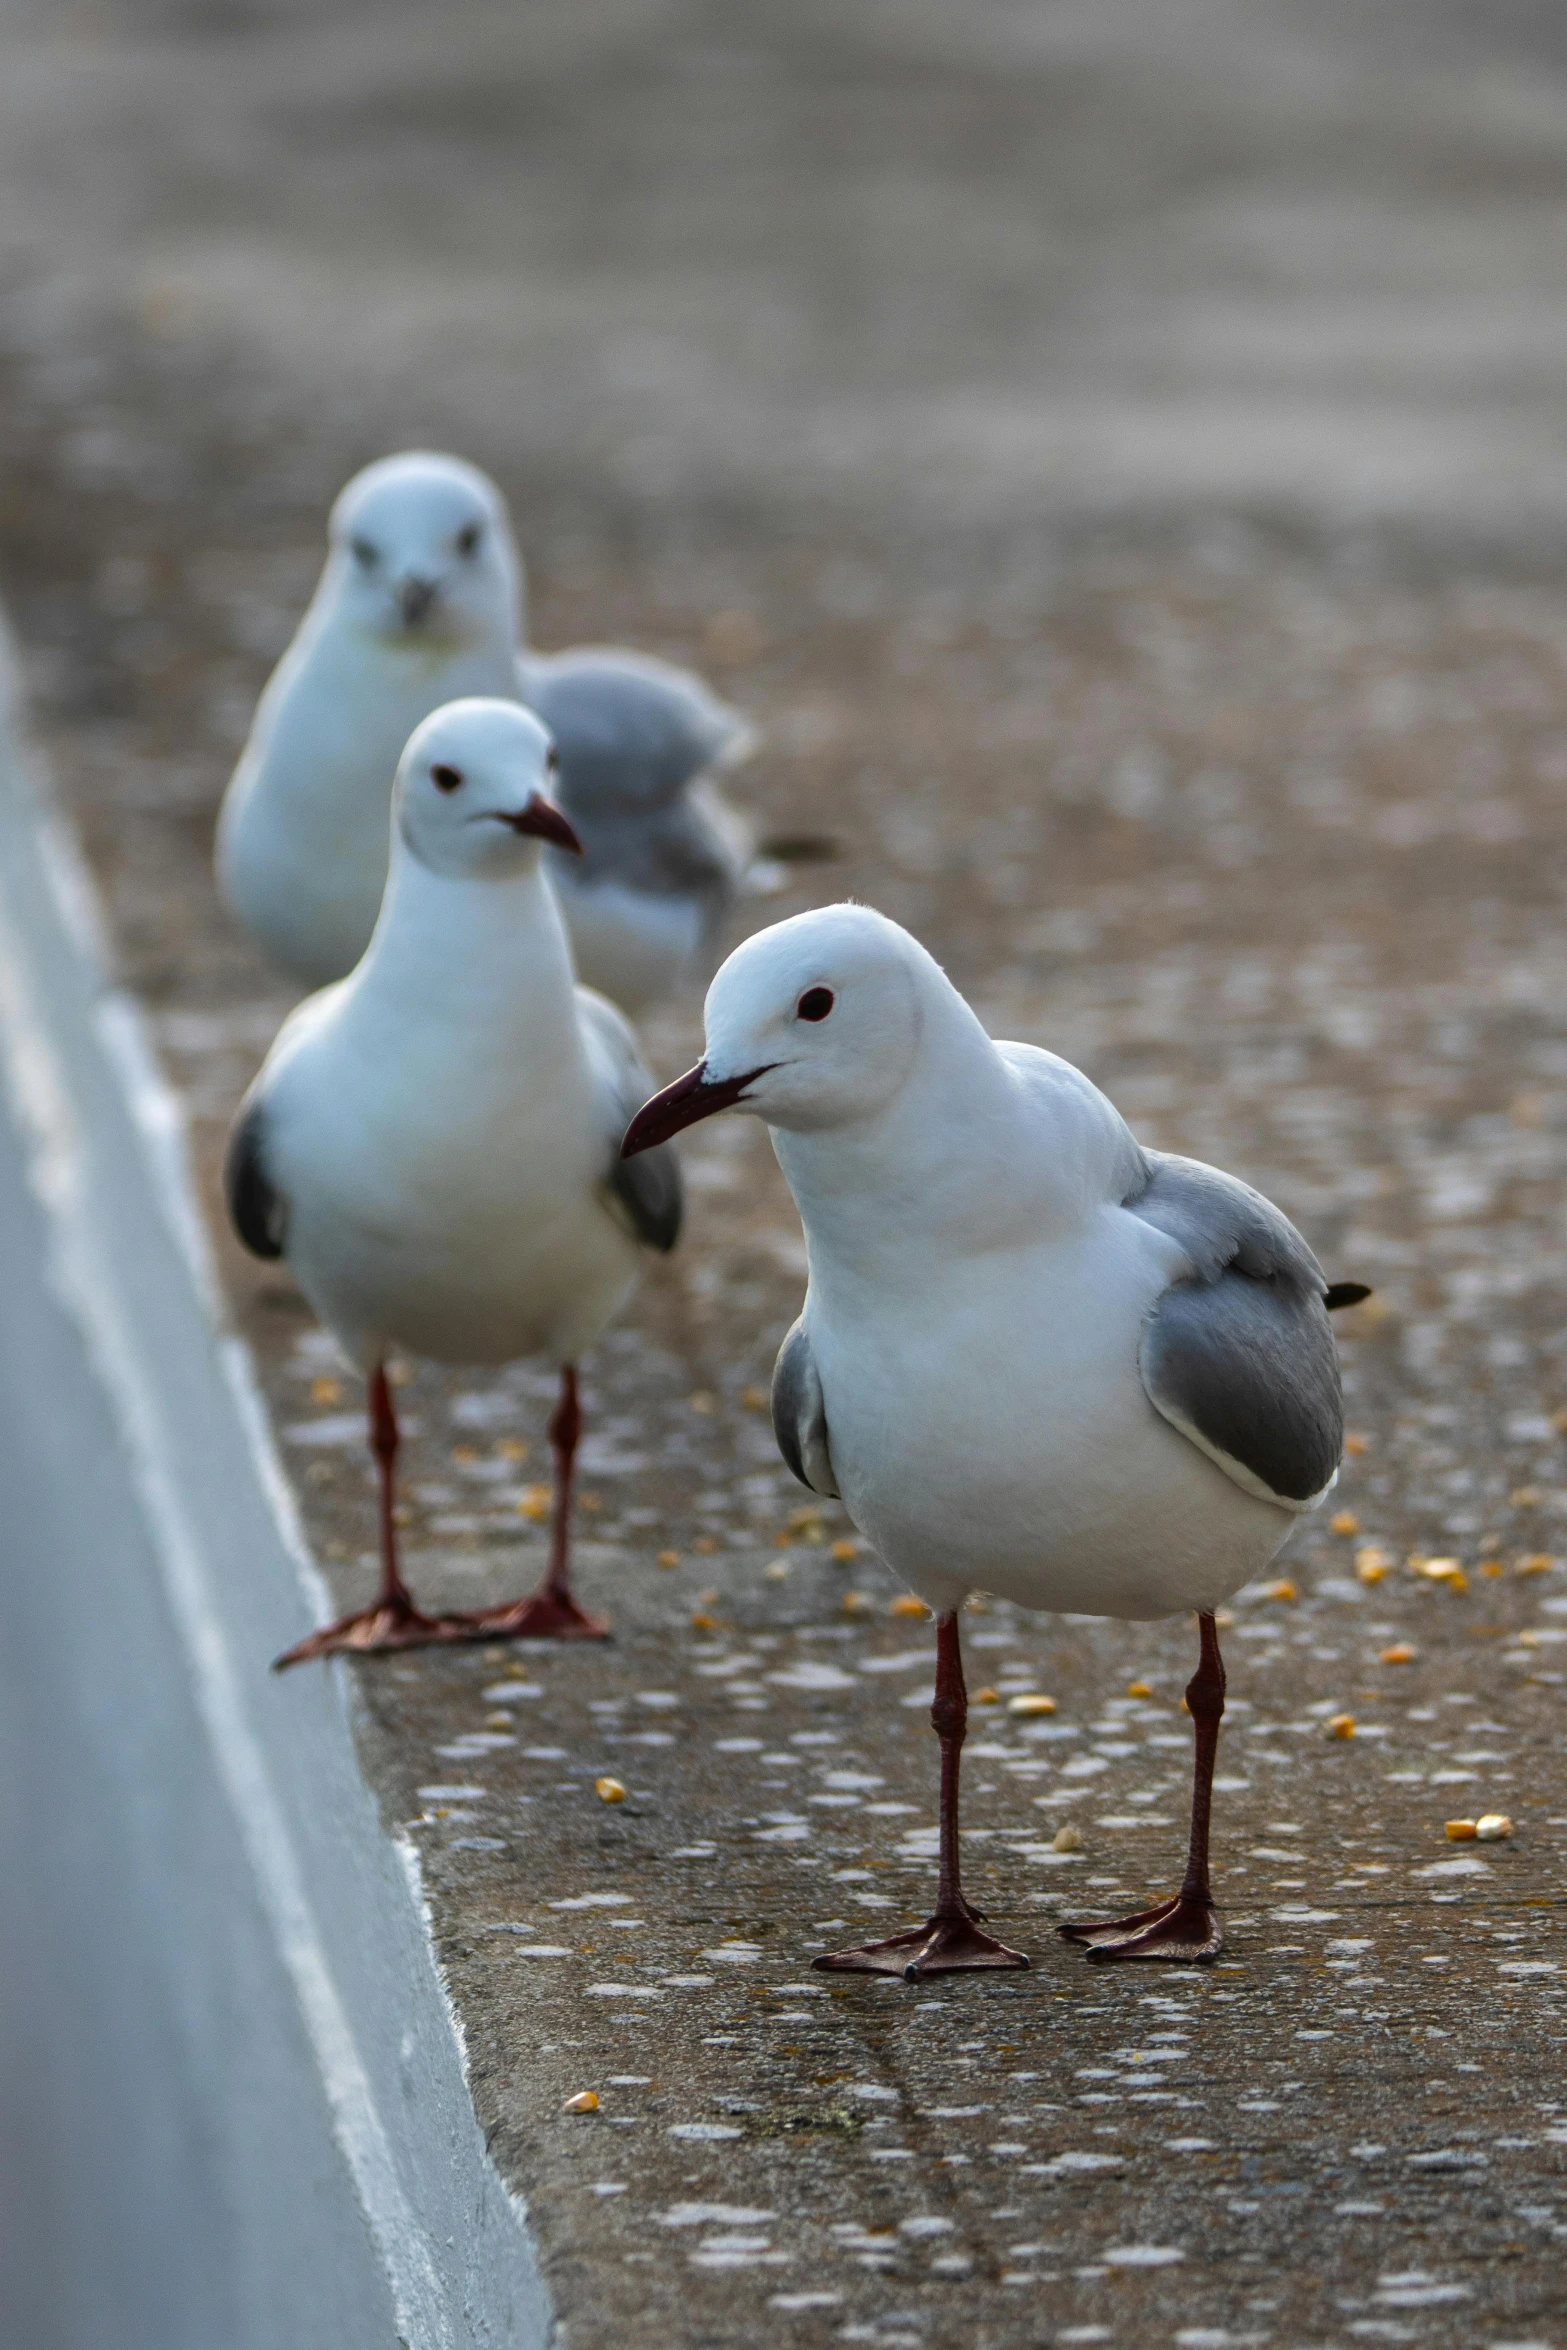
pixel 553 1612
pixel 950 1939
pixel 1188 1926
pixel 392 1621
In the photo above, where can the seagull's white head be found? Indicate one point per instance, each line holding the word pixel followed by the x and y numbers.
pixel 421 555
pixel 472 796
pixel 812 1024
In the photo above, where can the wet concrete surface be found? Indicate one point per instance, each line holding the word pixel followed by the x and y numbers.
pixel 1223 755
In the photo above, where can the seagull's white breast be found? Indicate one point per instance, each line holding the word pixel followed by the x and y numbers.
pixel 989 1429
pixel 447 1198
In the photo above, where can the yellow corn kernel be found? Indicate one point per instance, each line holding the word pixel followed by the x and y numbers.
pixel 609 1790
pixel 1446 1571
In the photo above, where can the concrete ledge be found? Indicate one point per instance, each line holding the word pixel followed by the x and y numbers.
pixel 233 2106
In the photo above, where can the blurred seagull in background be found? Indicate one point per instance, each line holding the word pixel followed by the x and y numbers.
pixel 421 603
pixel 1034 1358
pixel 433 1143
pixel 664 856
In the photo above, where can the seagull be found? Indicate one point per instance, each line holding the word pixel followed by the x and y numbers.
pixel 421 603
pixel 1034 1357
pixel 433 1142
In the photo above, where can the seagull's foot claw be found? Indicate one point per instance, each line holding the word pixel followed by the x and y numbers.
pixel 374 1631
pixel 545 1615
pixel 945 1945
pixel 1183 1929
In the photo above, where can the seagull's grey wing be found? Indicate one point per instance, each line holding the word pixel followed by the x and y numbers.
pixel 800 1415
pixel 630 732
pixel 648 1188
pixel 645 1192
pixel 681 853
pixel 257 1209
pixel 1240 1357
pixel 638 742
pixel 671 852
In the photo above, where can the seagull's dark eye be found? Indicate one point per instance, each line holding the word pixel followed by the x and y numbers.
pixel 468 538
pixel 364 553
pixel 815 1004
pixel 446 778
pixel 552 760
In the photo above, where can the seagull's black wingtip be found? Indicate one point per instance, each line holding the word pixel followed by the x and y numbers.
pixel 1345 1293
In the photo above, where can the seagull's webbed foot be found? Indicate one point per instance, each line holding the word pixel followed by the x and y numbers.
pixel 544 1615
pixel 1183 1928
pixel 948 1943
pixel 376 1630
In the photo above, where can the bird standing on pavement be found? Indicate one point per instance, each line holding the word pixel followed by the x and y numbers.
pixel 1034 1357
pixel 433 1143
pixel 421 603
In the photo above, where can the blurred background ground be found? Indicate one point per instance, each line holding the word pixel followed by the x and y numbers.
pixel 1119 453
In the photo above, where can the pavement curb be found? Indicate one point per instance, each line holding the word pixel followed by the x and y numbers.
pixel 125 1258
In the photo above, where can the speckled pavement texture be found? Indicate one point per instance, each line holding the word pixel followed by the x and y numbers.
pixel 1229 761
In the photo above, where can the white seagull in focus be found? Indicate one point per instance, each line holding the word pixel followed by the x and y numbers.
pixel 433 1143
pixel 1034 1357
pixel 421 603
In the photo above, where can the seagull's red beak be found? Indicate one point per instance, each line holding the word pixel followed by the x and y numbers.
pixel 542 818
pixel 690 1098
